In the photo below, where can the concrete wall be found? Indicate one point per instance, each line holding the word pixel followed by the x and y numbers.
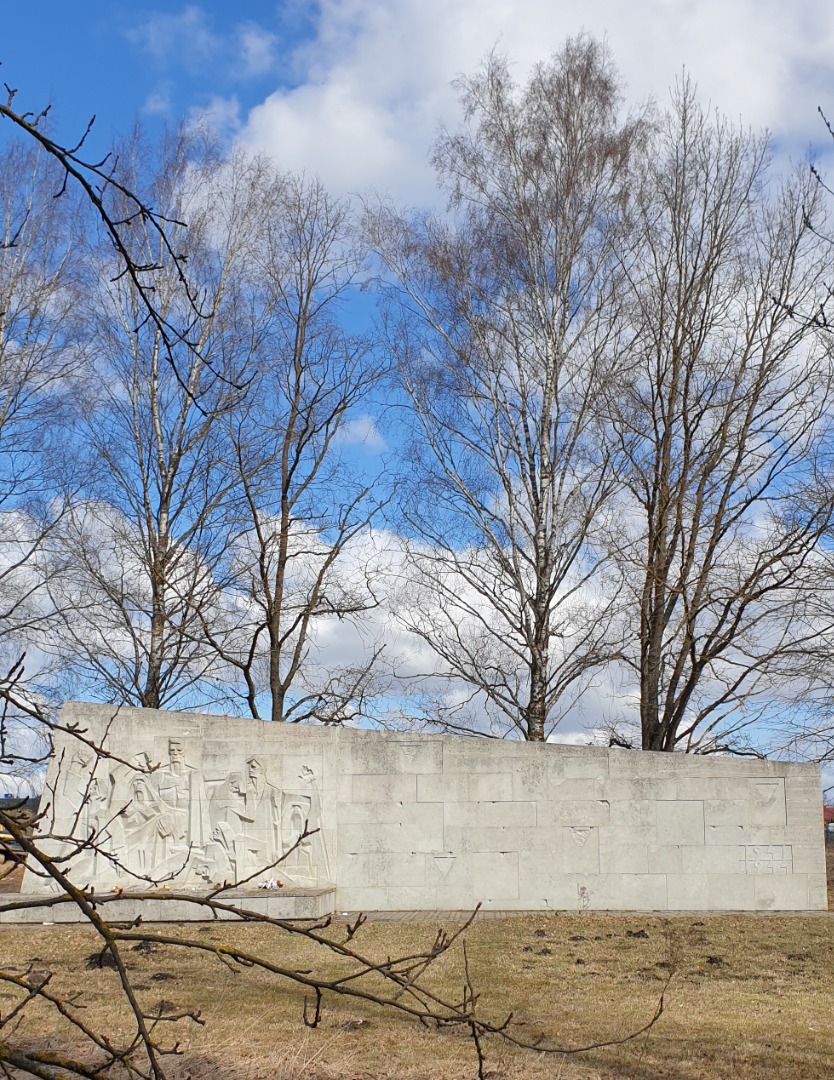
pixel 425 822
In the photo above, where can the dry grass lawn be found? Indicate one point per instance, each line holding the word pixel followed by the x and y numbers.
pixel 751 998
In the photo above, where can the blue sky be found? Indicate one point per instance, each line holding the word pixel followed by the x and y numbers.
pixel 121 61
pixel 355 89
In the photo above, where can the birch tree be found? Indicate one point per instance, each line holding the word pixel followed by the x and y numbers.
pixel 722 426
pixel 143 545
pixel 40 362
pixel 500 320
pixel 304 504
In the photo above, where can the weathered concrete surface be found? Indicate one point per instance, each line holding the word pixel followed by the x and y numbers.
pixel 158 907
pixel 419 822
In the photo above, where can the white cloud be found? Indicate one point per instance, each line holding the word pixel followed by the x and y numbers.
pixel 158 103
pixel 375 80
pixel 256 49
pixel 220 115
pixel 185 38
pixel 189 40
pixel 363 432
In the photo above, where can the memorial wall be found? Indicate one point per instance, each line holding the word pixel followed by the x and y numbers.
pixel 409 821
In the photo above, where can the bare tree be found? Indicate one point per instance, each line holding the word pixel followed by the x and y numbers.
pixel 140 550
pixel 40 359
pixel 721 425
pixel 305 505
pixel 500 321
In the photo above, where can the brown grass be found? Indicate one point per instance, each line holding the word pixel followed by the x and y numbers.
pixel 751 999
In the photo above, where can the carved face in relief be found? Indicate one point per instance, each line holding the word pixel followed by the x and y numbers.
pixel 140 790
pixel 176 752
pixel 256 770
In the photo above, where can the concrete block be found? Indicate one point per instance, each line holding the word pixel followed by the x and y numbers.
pixel 803 815
pixel 405 898
pixel 385 755
pixel 358 870
pixel 767 801
pixel 787 893
pixel 295 769
pixel 731 892
pixel 393 837
pixel 574 789
pixel 635 763
pixel 481 756
pixel 622 857
pixel 680 823
pixel 450 871
pixel 817 893
pixel 429 815
pixel 571 892
pixel 361 899
pixel 769 859
pixel 801 775
pixel 808 860
pixel 724 834
pixel 729 812
pixel 630 892
pixel 368 787
pixel 532 778
pixel 518 814
pixel 664 859
pixel 808 835
pixel 687 892
pixel 495 875
pixel 703 788
pixel 572 813
pixel 592 765
pixel 464 839
pixel 639 789
pixel 716 859
pixel 634 818
pixel 543 876
pixel 460 787
pixel 580 849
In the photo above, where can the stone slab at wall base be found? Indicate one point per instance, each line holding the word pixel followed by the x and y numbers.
pixel 430 822
pixel 293 904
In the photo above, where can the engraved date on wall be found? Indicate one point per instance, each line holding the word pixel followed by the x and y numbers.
pixel 769 859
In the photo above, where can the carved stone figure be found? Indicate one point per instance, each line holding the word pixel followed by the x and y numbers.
pixel 180 788
pixel 261 818
pixel 148 831
pixel 306 860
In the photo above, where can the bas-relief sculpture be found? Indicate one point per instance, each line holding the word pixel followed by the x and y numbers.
pixel 169 822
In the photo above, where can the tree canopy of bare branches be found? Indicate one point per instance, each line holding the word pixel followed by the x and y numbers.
pixel 40 361
pixel 302 503
pixel 722 421
pixel 500 318
pixel 139 551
